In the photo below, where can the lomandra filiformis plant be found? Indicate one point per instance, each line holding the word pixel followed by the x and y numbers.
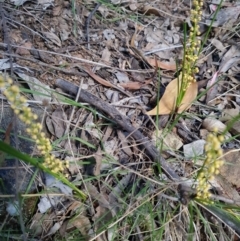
pixel 34 129
pixel 182 91
pixel 211 164
pixel 191 50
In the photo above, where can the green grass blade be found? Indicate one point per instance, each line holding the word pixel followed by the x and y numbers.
pixel 26 158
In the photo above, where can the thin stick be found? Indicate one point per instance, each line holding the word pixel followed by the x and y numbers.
pixel 89 18
pixel 121 121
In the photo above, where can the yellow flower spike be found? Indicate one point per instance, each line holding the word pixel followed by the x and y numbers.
pixel 211 178
pixel 22 100
pixel 27 121
pixel 220 162
pixel 221 138
pixel 22 118
pixel 212 163
pixel 47 160
pixel 10 98
pixel 16 111
pixel 217 172
pixel 35 117
pixel 219 152
pixel 215 129
pixel 67 164
pixel 14 89
pixel 25 114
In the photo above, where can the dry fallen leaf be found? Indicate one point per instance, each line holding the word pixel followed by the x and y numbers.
pixel 213 88
pixel 40 91
pixel 171 140
pixel 106 55
pixel 82 223
pixel 148 10
pixel 229 114
pixel 134 85
pixel 98 78
pixel 53 37
pixel 58 117
pixel 225 16
pixel 232 165
pixel 229 64
pixel 161 64
pixel 167 103
pixel 24 49
pixel 57 10
pixel 41 223
pixel 230 58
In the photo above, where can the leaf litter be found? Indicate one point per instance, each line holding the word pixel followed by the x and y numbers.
pixel 52 27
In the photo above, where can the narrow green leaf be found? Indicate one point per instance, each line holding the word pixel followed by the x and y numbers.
pixel 224 216
pixel 26 158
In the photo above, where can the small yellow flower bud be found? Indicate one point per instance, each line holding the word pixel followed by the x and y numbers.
pixel 221 138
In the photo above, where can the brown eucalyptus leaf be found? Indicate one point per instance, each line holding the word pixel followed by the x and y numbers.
pixel 232 158
pixel 229 64
pixel 161 64
pixel 124 143
pixel 131 85
pixel 58 121
pixel 82 223
pixel 213 88
pixel 167 103
pixel 229 114
pixel 148 10
pixel 24 49
pixel 230 58
pixel 53 37
pixel 225 16
pixel 98 78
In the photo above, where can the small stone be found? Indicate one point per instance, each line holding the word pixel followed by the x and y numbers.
pixel 194 149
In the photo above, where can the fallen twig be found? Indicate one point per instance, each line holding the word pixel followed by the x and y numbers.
pixel 122 121
pixel 89 18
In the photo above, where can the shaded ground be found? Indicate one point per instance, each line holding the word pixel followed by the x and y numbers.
pixel 105 49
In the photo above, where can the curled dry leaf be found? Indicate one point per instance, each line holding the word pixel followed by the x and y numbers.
pixel 211 124
pixel 58 122
pixel 230 59
pixel 40 91
pixel 148 10
pixel 229 64
pixel 229 114
pixel 101 80
pixel 232 157
pixel 161 64
pixel 24 49
pixel 213 88
pixel 167 103
pixel 53 37
pixel 171 141
pixel 131 85
pixel 218 44
pixel 225 16
pixel 82 223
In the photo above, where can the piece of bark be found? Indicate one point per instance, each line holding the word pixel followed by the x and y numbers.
pixel 120 120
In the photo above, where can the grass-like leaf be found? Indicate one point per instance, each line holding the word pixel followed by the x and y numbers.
pixel 35 162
